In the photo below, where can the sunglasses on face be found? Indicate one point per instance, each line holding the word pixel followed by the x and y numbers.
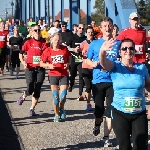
pixel 81 28
pixel 129 48
pixel 37 30
pixel 63 25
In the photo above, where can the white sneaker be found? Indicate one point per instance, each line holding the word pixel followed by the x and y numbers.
pixel 107 142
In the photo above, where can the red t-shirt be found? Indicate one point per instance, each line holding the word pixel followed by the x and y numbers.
pixel 3 38
pixel 34 49
pixel 139 38
pixel 58 59
pixel 148 39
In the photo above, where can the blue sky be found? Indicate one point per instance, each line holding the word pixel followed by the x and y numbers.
pixel 6 4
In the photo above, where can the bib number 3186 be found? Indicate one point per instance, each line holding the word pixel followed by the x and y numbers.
pixel 36 59
pixel 132 104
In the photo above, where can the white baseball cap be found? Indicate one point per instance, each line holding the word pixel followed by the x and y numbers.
pixel 134 15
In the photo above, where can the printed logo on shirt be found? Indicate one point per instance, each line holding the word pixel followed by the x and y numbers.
pixel 35 47
pixel 111 54
pixel 57 59
pixel 2 38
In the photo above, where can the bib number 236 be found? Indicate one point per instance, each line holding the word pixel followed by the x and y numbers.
pixel 132 104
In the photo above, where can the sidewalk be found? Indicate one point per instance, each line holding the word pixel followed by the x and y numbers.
pixel 40 132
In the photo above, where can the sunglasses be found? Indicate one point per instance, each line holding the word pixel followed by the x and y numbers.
pixel 64 26
pixel 81 28
pixel 37 30
pixel 129 48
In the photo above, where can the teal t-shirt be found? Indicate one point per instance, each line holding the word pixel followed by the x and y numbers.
pixel 128 87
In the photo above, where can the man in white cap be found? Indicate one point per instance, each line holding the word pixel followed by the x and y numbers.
pixel 138 35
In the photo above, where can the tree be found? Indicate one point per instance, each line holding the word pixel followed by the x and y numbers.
pixel 143 8
pixel 100 7
pixel 99 11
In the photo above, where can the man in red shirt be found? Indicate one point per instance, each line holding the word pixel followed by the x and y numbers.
pixel 138 35
pixel 3 46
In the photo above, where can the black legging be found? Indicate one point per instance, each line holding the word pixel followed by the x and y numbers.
pixel 125 125
pixel 87 76
pixel 2 58
pixel 15 59
pixel 73 71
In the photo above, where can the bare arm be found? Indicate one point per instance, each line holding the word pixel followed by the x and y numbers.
pixel 91 63
pixel 106 63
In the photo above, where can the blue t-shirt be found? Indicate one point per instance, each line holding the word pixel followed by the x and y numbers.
pixel 128 87
pixel 100 74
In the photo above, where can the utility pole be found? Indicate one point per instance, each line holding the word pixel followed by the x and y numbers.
pixel 12 5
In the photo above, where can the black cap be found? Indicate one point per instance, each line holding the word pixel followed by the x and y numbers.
pixel 63 23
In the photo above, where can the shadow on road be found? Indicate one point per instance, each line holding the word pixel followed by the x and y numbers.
pixel 8 137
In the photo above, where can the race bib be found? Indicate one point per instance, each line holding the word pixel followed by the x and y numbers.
pixel 36 59
pixel 132 104
pixel 78 59
pixel 2 38
pixel 16 47
pixel 139 49
pixel 57 59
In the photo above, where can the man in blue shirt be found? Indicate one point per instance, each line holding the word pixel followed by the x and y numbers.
pixel 102 84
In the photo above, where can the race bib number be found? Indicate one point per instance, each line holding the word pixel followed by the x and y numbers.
pixel 36 59
pixel 132 104
pixel 139 49
pixel 16 47
pixel 57 59
pixel 78 59
pixel 2 38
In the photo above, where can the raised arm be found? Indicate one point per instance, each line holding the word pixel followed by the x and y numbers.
pixel 106 63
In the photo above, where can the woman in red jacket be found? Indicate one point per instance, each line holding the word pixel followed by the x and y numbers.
pixel 34 74
pixel 56 58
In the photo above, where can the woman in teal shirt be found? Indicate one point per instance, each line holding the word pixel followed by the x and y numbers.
pixel 128 107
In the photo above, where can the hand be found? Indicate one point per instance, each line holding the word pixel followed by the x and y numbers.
pixel 66 66
pixel 51 66
pixel 107 45
pixel 147 55
pixel 83 53
pixel 95 64
pixel 76 50
pixel 24 65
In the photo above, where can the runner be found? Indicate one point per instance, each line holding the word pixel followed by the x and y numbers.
pixel 3 47
pixel 57 57
pixel 102 84
pixel 34 74
pixel 15 43
pixel 138 35
pixel 86 69
pixel 128 107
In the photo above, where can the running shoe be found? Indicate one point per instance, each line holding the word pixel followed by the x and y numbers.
pixel 70 89
pixel 21 99
pixel 11 72
pixel 32 112
pixel 96 130
pixel 89 107
pixel 56 119
pixel 62 114
pixel 7 69
pixel 17 77
pixel 107 142
pixel 80 98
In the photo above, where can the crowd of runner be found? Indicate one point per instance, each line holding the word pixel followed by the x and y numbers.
pixel 111 66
